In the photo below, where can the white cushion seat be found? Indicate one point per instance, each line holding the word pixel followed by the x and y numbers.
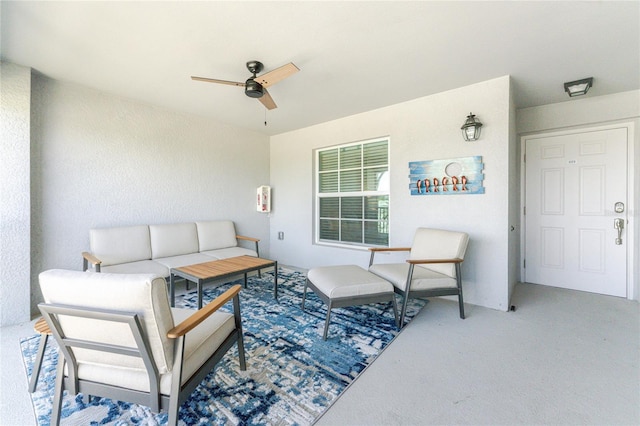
pixel 347 285
pixel 183 260
pixel 423 278
pixel 226 253
pixel 347 281
pixel 139 267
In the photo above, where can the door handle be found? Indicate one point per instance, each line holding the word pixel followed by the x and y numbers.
pixel 618 223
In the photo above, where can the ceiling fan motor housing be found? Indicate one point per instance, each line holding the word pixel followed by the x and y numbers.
pixel 253 89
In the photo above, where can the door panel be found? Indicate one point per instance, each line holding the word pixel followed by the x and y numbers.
pixel 572 184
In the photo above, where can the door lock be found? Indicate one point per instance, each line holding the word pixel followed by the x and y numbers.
pixel 618 223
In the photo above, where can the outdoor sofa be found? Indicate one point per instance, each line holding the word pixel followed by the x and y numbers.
pixel 155 249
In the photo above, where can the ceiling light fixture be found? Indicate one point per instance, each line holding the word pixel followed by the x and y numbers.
pixel 578 87
pixel 471 128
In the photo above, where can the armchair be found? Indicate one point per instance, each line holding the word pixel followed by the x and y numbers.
pixel 119 338
pixel 432 269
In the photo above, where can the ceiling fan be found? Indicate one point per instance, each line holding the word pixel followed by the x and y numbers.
pixel 256 86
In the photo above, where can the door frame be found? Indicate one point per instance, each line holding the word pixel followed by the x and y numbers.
pixel 632 288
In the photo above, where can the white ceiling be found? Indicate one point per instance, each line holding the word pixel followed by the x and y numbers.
pixel 353 56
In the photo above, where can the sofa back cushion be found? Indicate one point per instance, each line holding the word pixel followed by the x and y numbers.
pixel 216 234
pixel 120 245
pixel 142 294
pixel 173 239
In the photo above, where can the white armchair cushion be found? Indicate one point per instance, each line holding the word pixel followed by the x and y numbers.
pixel 439 244
pixel 423 279
pixel 216 234
pixel 200 343
pixel 173 239
pixel 120 245
pixel 145 294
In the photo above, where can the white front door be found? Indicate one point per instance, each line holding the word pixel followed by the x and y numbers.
pixel 576 188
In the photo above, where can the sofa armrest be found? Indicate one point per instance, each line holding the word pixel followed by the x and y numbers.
pixel 255 240
pixel 375 250
pixel 89 258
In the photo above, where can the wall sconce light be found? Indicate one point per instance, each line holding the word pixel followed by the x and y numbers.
pixel 578 87
pixel 471 128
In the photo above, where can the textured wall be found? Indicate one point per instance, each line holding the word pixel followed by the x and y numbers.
pixel 14 194
pixel 101 160
pixel 423 129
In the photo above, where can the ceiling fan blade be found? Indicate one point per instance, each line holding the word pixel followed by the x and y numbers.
pixel 272 77
pixel 267 100
pixel 213 80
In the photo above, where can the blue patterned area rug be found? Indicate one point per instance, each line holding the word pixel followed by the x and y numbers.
pixel 292 374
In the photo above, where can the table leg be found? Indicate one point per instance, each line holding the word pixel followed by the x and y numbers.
pixel 245 280
pixel 172 290
pixel 275 280
pixel 199 294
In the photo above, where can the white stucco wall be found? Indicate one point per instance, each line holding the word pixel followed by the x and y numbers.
pixel 515 225
pixel 423 129
pixel 101 160
pixel 15 218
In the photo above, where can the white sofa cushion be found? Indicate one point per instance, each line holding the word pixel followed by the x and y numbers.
pixel 184 260
pixel 216 234
pixel 226 253
pixel 173 239
pixel 121 244
pixel 140 267
pixel 144 294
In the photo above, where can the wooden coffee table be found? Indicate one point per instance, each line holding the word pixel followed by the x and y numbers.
pixel 202 273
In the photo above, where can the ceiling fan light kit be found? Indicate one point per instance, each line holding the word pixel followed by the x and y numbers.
pixel 256 86
pixel 253 89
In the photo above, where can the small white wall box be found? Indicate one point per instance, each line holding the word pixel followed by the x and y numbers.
pixel 264 199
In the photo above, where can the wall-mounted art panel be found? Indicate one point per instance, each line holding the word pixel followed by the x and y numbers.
pixel 454 176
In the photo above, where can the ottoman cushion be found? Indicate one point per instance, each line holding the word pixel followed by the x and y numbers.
pixel 346 281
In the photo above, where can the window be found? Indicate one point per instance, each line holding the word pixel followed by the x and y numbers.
pixel 352 194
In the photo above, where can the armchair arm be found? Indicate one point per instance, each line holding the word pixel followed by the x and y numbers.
pixel 200 315
pixel 255 240
pixel 426 261
pixel 89 258
pixel 374 250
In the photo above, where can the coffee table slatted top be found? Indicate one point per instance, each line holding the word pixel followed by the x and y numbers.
pixel 201 273
pixel 217 268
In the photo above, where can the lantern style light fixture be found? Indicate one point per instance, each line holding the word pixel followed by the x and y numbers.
pixel 578 87
pixel 471 128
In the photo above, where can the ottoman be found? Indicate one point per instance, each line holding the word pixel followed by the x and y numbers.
pixel 348 285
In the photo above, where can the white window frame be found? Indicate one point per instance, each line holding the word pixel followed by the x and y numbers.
pixel 317 195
